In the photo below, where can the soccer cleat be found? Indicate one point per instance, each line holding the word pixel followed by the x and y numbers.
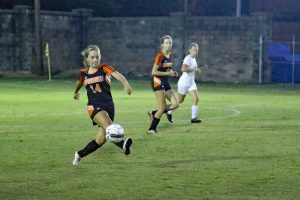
pixel 196 120
pixel 77 159
pixel 169 117
pixel 126 146
pixel 152 132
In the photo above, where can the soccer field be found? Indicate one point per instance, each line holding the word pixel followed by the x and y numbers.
pixel 246 148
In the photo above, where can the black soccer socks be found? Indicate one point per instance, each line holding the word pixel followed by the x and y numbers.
pixel 154 123
pixel 89 148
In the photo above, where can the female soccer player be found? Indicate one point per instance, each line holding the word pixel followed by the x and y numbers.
pixel 186 83
pixel 96 79
pixel 162 68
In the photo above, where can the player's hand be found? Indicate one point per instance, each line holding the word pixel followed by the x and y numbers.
pixel 173 73
pixel 176 74
pixel 197 69
pixel 76 96
pixel 128 89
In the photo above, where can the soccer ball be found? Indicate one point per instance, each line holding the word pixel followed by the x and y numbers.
pixel 114 133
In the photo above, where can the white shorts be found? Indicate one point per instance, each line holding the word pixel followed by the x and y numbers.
pixel 184 89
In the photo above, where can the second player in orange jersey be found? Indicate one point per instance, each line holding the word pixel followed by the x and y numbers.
pixel 161 70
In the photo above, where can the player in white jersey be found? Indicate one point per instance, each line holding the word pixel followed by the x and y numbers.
pixel 186 83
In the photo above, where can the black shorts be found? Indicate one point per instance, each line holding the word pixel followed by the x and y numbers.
pixel 94 109
pixel 160 84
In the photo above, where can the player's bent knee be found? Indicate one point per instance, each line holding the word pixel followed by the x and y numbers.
pixel 196 101
pixel 100 140
pixel 175 106
pixel 160 110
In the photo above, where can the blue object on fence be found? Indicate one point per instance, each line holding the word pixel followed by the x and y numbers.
pixel 281 58
pixel 278 50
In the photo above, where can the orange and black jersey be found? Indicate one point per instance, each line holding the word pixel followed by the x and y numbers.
pixel 97 84
pixel 164 63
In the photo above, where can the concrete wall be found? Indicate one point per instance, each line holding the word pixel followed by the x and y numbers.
pixel 7 41
pixel 131 44
pixel 63 33
pixel 228 46
pixel 16 39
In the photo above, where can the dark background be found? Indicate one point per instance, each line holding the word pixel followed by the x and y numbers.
pixel 108 8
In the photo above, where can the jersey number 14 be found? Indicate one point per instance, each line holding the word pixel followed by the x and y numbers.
pixel 96 89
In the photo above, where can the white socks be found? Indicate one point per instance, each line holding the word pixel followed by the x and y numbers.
pixel 170 112
pixel 195 111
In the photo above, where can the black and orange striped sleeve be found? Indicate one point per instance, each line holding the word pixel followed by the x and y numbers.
pixel 108 69
pixel 80 75
pixel 158 59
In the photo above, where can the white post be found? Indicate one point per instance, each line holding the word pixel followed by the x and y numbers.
pixel 238 8
pixel 260 60
pixel 47 53
pixel 293 63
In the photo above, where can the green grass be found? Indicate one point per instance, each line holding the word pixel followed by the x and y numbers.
pixel 247 147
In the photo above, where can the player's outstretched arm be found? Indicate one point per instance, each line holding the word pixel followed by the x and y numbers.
pixel 76 95
pixel 186 68
pixel 127 87
pixel 155 72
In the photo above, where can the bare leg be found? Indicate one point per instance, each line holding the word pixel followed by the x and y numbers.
pixel 103 120
pixel 161 100
pixel 181 98
pixel 174 102
pixel 169 112
pixel 194 96
pixel 172 98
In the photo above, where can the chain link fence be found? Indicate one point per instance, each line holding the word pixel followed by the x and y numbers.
pixel 283 61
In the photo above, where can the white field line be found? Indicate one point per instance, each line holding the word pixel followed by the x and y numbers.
pixel 233 109
pixel 230 108
pixel 235 113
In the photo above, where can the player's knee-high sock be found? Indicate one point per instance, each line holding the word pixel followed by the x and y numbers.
pixel 194 111
pixel 154 123
pixel 89 148
pixel 120 144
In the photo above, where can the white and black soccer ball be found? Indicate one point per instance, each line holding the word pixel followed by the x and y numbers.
pixel 114 133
